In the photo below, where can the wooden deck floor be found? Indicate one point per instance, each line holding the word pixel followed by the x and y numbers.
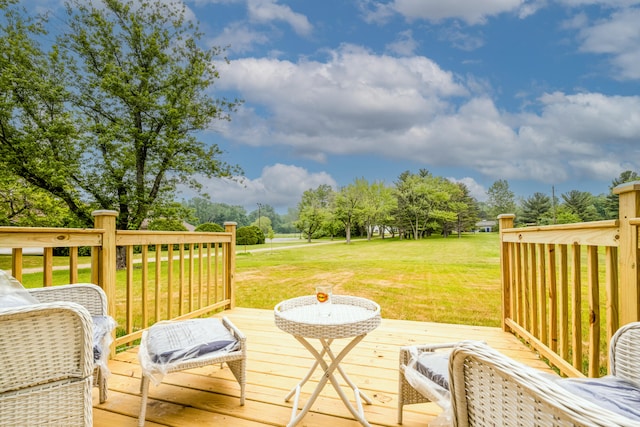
pixel 275 363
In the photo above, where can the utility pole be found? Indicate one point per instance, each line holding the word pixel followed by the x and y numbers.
pixel 259 215
pixel 553 202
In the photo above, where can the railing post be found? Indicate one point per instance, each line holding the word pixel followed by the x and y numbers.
pixel 230 264
pixel 505 221
pixel 628 290
pixel 103 269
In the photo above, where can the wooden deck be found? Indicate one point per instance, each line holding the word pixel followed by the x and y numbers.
pixel 275 363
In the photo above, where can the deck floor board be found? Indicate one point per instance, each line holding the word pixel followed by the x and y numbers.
pixel 275 363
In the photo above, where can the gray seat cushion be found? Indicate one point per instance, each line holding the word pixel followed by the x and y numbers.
pixel 434 365
pixel 187 339
pixel 615 394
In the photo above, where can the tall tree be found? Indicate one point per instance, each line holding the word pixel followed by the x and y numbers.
pixel 613 200
pixel 314 209
pixel 348 204
pixel 535 208
pixel 580 204
pixel 422 200
pixel 501 199
pixel 465 208
pixel 206 211
pixel 107 118
pixel 379 203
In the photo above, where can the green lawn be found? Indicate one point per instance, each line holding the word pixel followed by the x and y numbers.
pixel 435 279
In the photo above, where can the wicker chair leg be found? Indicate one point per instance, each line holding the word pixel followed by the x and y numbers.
pixel 400 405
pixel 238 368
pixel 101 381
pixel 144 390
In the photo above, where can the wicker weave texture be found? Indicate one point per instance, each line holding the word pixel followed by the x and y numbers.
pixel 93 299
pixel 624 352
pixel 490 389
pixel 351 316
pixel 88 295
pixel 407 394
pixel 46 360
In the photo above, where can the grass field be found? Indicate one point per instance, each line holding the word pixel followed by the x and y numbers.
pixel 448 280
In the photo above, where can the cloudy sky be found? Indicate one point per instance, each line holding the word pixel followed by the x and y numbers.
pixel 542 93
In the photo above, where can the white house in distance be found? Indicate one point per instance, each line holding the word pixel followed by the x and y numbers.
pixel 486 226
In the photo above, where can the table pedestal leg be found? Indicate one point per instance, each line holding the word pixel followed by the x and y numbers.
pixel 328 376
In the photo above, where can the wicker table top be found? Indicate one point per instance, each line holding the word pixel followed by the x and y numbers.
pixel 350 316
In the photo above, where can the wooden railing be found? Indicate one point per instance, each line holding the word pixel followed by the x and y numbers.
pixel 567 288
pixel 168 275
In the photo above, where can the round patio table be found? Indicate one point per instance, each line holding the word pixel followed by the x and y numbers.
pixel 351 317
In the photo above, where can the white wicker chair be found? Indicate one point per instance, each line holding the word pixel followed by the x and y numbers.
pixel 490 389
pixel 624 352
pixel 92 298
pixel 46 364
pixel 487 388
pixel 409 393
pixel 174 335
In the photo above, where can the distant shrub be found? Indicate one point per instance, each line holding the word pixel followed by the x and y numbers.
pixel 246 236
pixel 82 251
pixel 259 234
pixel 165 224
pixel 210 227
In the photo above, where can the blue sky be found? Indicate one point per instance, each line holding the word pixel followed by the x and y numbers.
pixel 541 93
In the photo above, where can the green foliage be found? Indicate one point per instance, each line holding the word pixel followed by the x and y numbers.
pixel 24 205
pixel 466 209
pixel 565 216
pixel 348 205
pixel 277 222
pixel 166 224
pixel 127 86
pixel 263 223
pixel 210 227
pixel 314 210
pixel 613 200
pixel 259 234
pixel 501 198
pixel 247 236
pixel 580 204
pixel 219 213
pixel 535 209
pixel 428 204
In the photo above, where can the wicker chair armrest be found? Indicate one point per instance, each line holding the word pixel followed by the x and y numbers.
pixel 408 352
pixel 242 339
pixel 624 353
pixel 44 343
pixel 88 295
pixel 488 388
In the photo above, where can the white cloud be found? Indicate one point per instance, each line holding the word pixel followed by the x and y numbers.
pixel 619 37
pixel 279 185
pixel 409 109
pixel 240 38
pixel 470 11
pixel 405 45
pixel 462 40
pixel 266 11
pixel 603 3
